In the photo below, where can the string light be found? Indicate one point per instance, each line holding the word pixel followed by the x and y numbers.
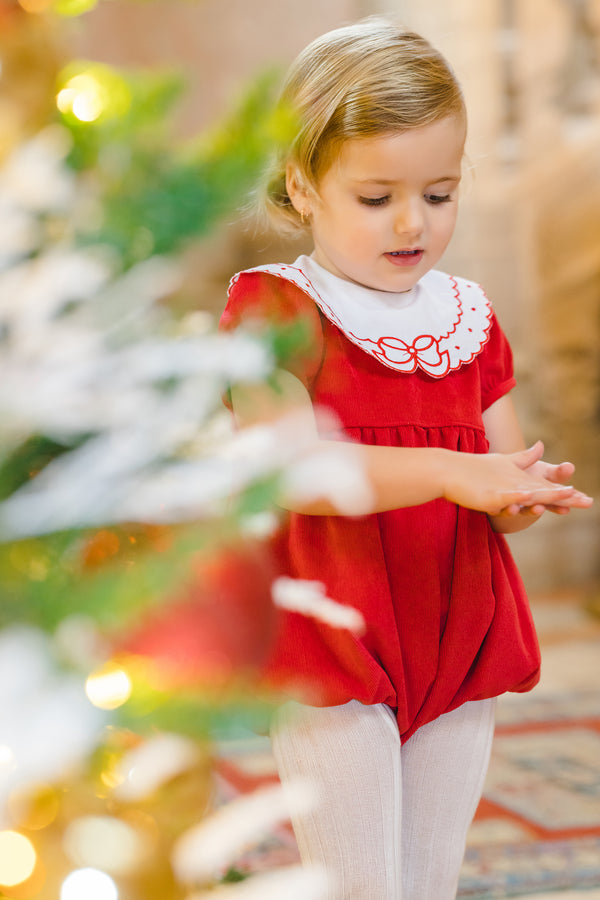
pixel 83 97
pixel 17 858
pixel 92 90
pixel 89 883
pixel 33 807
pixel 108 687
pixel 104 842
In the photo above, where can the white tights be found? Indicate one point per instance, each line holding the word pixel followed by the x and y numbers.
pixel 391 821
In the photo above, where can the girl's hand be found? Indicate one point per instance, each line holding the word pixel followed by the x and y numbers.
pixel 560 474
pixel 504 436
pixel 555 474
pixel 508 484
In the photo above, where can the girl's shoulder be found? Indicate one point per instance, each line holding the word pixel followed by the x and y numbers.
pixel 285 272
pixel 277 293
pixel 273 300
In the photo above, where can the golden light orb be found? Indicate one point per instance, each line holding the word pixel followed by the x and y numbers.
pixel 82 96
pixel 90 91
pixel 109 687
pixel 90 883
pixel 17 858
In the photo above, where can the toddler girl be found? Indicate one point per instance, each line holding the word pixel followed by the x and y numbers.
pixel 395 725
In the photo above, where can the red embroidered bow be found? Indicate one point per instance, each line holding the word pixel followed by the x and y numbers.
pixel 424 351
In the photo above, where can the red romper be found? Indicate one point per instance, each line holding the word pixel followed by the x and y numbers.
pixel 447 615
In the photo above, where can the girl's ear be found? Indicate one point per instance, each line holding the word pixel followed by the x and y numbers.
pixel 297 191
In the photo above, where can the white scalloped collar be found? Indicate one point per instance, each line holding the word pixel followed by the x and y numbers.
pixel 438 326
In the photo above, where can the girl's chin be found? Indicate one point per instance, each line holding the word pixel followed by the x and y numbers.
pixel 389 275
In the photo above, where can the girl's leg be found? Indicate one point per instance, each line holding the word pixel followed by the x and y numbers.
pixel 351 753
pixel 443 770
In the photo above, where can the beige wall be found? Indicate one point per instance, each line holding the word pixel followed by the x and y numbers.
pixel 218 44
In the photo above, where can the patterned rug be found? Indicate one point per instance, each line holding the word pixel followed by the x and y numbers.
pixel 537 828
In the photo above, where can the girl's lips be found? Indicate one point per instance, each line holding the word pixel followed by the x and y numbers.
pixel 405 258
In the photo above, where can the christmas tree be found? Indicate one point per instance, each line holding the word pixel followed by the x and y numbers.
pixel 135 576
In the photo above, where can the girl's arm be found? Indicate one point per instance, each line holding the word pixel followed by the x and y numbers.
pixel 504 435
pixel 405 476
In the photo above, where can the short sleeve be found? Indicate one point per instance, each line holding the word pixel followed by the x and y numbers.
pixel 496 366
pixel 263 302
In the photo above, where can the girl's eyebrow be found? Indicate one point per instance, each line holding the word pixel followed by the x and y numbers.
pixel 386 182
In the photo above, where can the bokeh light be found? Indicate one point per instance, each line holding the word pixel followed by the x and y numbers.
pixel 73 7
pixel 89 883
pixel 104 842
pixel 17 858
pixel 83 97
pixel 89 91
pixel 33 806
pixel 108 687
pixel 7 756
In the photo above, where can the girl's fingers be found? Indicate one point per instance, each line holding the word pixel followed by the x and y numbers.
pixel 565 470
pixel 559 474
pixel 574 500
pixel 525 458
pixel 550 494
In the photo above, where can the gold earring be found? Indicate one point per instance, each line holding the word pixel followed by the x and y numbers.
pixel 302 217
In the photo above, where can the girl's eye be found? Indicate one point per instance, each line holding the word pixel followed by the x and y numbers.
pixel 374 201
pixel 437 198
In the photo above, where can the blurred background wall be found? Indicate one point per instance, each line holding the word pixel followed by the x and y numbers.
pixel 529 229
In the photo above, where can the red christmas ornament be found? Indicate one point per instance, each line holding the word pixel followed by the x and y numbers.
pixel 220 627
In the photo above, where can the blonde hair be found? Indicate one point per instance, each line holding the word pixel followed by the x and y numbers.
pixel 361 80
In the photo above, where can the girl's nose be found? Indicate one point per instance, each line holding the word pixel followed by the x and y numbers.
pixel 409 218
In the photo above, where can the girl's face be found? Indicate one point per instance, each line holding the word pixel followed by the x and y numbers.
pixel 386 208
